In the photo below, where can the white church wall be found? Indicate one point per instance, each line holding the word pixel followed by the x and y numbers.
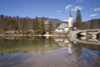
pixel 66 29
pixel 57 30
pixel 70 22
pixel 61 30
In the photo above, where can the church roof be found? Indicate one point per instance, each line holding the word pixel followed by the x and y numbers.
pixel 70 15
pixel 63 26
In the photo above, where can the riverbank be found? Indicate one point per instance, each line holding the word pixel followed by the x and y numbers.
pixel 23 35
pixel 53 34
pixel 10 34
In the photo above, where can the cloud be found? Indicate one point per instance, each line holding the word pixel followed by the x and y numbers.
pixel 76 8
pixel 93 15
pixel 82 1
pixel 65 20
pixel 68 6
pixel 97 9
pixel 58 11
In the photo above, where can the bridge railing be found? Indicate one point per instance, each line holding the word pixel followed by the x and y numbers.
pixel 93 30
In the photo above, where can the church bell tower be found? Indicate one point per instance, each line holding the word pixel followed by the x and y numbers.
pixel 70 21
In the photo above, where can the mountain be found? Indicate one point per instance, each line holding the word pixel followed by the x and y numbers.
pixel 48 20
pixel 65 22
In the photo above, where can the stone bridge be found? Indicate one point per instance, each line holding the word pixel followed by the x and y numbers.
pixel 93 32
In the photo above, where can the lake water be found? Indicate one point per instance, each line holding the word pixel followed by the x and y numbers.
pixel 49 52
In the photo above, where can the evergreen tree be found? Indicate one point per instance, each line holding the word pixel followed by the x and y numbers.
pixel 17 17
pixel 57 25
pixel 50 27
pixel 36 25
pixel 78 23
pixel 42 26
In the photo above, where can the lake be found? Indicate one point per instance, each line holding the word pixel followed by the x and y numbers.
pixel 49 52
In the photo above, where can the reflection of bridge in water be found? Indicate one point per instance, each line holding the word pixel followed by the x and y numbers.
pixel 64 42
pixel 88 41
pixel 75 45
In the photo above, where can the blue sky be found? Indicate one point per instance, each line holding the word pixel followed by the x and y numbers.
pixel 57 9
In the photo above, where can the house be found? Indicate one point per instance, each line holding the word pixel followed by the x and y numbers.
pixel 65 27
pixel 62 28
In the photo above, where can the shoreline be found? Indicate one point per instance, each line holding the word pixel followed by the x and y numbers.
pixel 45 35
pixel 21 35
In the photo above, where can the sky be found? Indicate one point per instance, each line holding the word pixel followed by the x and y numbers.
pixel 56 9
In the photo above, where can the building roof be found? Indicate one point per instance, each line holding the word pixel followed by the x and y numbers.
pixel 63 26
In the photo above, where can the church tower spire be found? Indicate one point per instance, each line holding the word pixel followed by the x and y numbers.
pixel 70 15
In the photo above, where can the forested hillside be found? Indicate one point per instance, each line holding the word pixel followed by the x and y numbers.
pixel 92 24
pixel 24 24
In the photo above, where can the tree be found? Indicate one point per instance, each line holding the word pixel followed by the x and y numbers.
pixel 57 25
pixel 91 23
pixel 78 23
pixel 42 26
pixel 50 27
pixel 15 24
pixel 36 25
pixel 17 16
pixel 24 25
pixel 99 23
pixel 6 17
pixel 2 16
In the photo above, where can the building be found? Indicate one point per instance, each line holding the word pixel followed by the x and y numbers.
pixel 62 28
pixel 65 27
pixel 70 21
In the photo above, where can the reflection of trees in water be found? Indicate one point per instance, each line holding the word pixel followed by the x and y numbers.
pixel 90 46
pixel 78 50
pixel 37 44
pixel 98 60
pixel 40 44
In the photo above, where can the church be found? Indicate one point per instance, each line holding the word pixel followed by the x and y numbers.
pixel 65 27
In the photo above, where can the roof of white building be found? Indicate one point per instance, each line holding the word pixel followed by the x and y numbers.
pixel 63 26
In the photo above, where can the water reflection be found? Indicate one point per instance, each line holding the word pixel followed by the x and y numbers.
pixel 49 52
pixel 65 43
pixel 25 45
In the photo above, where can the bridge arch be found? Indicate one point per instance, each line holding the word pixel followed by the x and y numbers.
pixel 79 34
pixel 98 35
pixel 88 32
